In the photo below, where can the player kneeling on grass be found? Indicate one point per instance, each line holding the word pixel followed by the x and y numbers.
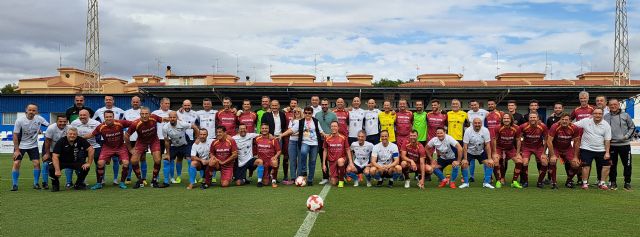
pixel 222 154
pixel 199 156
pixel 112 133
pixel 506 144
pixel 477 146
pixel 336 151
pixel 384 160
pixel 449 152
pixel 267 149
pixel 412 153
pixel 361 156
pixel 559 141
pixel 175 144
pixel 71 152
pixel 246 159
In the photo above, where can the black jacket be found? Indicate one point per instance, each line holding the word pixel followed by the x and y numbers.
pixel 268 119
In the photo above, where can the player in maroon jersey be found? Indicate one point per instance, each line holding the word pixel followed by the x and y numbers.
pixel 494 117
pixel 559 141
pixel 414 159
pixel 404 123
pixel 267 149
pixel 112 132
pixel 343 117
pixel 436 118
pixel 248 117
pixel 223 153
pixel 337 152
pixel 147 128
pixel 227 117
pixel 584 110
pixel 506 144
pixel 534 133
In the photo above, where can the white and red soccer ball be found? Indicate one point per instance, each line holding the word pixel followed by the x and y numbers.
pixel 315 203
pixel 301 181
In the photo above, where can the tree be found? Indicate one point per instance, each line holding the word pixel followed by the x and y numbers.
pixel 9 89
pixel 384 82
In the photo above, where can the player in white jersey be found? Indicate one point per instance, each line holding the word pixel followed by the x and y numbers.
pixel 131 115
pixel 163 112
pixel 186 114
pixel 108 105
pixel 449 152
pixel 477 146
pixel 246 160
pixel 371 122
pixel 176 145
pixel 199 155
pixel 25 140
pixel 356 120
pixel 207 118
pixel 476 112
pixel 384 160
pixel 361 157
pixel 52 135
pixel 85 125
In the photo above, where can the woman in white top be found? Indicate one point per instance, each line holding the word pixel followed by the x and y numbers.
pixel 293 144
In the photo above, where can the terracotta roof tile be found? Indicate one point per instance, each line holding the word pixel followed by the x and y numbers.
pixel 421 84
pixel 551 83
pixel 507 83
pixel 40 78
pixel 594 83
pixel 464 84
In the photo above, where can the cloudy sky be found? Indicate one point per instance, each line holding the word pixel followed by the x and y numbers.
pixel 389 39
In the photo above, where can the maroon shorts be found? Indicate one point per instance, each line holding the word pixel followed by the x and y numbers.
pixel 107 152
pixel 565 154
pixel 285 147
pixel 506 154
pixel 527 152
pixel 333 169
pixel 226 172
pixel 141 147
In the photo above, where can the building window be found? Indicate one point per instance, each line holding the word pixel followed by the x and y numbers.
pixel 186 82
pixel 53 116
pixel 9 118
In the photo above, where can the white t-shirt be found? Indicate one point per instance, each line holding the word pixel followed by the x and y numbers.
pixel 293 124
pixel 245 147
pixel 55 133
pixel 445 148
pixel 28 130
pixel 475 140
pixel 316 110
pixel 176 133
pixel 99 114
pixel 385 154
pixel 356 121
pixel 132 115
pixel 208 121
pixel 310 138
pixel 201 150
pixel 594 135
pixel 190 117
pixel 88 128
pixel 482 114
pixel 277 130
pixel 361 154
pixel 161 114
pixel 371 122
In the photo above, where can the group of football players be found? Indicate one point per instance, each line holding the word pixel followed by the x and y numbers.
pixel 354 144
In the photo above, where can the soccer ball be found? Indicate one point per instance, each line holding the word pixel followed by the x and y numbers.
pixel 301 181
pixel 315 203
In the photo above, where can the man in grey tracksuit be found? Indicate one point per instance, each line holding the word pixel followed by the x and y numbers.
pixel 622 129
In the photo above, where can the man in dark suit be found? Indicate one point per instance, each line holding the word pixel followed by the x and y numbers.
pixel 275 119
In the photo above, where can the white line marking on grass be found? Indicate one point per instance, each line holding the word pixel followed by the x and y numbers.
pixel 308 222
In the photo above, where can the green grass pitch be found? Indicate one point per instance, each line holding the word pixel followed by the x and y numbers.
pixel 361 211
